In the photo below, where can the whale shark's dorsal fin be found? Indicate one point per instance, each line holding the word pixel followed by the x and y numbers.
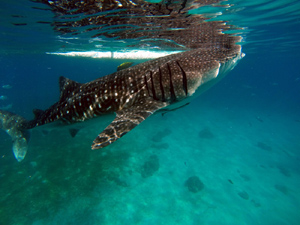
pixel 126 120
pixel 67 87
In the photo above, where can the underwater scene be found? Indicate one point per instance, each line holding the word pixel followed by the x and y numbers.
pixel 196 151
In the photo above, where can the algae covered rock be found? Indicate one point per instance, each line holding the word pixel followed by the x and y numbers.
pixel 150 166
pixel 206 134
pixel 244 195
pixel 194 184
pixel 159 136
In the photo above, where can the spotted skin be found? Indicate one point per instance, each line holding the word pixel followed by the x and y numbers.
pixel 137 92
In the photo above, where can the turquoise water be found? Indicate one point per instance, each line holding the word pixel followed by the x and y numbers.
pixel 240 138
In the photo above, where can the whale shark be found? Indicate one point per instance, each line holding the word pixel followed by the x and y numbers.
pixel 133 94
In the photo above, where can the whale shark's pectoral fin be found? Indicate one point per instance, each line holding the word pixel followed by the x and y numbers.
pixel 125 121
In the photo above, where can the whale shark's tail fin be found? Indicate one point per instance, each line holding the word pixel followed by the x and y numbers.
pixel 12 124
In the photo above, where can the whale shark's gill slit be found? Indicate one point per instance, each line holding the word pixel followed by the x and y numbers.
pixel 184 79
pixel 173 96
pixel 146 85
pixel 161 85
pixel 153 88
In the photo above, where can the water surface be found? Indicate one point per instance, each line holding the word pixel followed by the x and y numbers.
pixel 240 138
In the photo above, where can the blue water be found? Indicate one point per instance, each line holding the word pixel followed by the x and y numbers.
pixel 241 137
